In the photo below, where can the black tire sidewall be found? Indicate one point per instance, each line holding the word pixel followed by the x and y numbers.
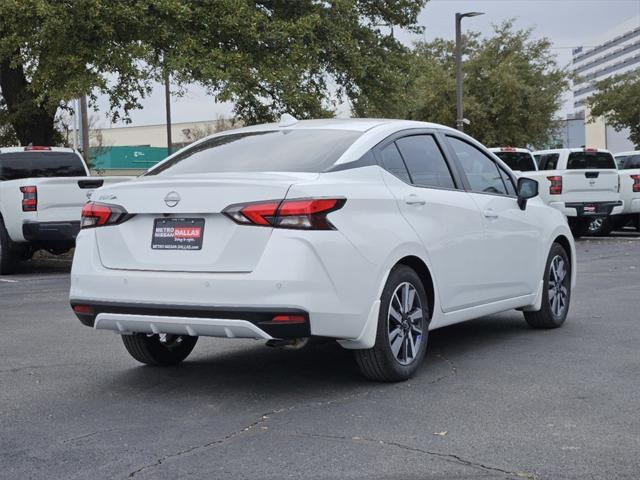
pixel 556 249
pixel 397 276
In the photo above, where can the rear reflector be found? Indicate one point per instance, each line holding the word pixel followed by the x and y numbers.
pixel 36 148
pixel 83 309
pixel 289 319
pixel 100 214
pixel 305 213
pixel 636 183
pixel 29 198
pixel 556 185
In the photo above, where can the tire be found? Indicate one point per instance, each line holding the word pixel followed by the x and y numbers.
pixel 555 309
pixel 151 350
pixel 599 227
pixel 383 362
pixel 578 226
pixel 9 258
pixel 636 222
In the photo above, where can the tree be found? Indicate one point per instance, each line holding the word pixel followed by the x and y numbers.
pixel 512 87
pixel 618 100
pixel 266 56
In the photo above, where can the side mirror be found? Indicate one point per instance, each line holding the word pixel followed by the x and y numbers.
pixel 527 188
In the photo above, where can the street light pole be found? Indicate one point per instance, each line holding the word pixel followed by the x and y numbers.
pixel 459 113
pixel 167 100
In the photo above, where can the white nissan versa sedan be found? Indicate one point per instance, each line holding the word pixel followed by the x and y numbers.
pixel 370 232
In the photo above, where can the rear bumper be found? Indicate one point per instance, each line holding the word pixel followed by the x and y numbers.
pixel 330 283
pixel 193 320
pixel 580 209
pixel 50 232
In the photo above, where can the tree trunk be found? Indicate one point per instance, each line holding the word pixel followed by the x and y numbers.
pixel 32 122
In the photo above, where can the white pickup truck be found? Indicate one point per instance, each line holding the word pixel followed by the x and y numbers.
pixel 42 191
pixel 582 183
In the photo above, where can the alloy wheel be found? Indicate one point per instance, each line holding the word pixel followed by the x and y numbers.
pixel 405 323
pixel 558 291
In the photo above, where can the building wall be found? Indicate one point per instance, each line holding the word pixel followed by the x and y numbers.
pixel 613 53
pixel 156 135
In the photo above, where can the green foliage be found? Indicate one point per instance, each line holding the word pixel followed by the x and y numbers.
pixel 618 101
pixel 512 87
pixel 267 56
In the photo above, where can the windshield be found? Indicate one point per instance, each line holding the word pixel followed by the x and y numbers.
pixel 517 160
pixel 264 151
pixel 590 160
pixel 18 165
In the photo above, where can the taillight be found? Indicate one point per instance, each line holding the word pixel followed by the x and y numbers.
pixel 556 185
pixel 29 198
pixel 636 183
pixel 100 214
pixel 306 213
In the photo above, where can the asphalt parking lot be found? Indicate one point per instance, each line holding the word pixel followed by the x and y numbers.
pixel 494 398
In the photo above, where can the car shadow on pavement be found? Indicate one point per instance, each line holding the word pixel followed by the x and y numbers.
pixel 256 369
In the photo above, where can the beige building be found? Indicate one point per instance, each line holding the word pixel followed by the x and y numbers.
pixel 156 135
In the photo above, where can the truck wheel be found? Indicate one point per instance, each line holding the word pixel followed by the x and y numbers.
pixel 8 257
pixel 159 350
pixel 403 321
pixel 556 293
pixel 599 227
pixel 578 226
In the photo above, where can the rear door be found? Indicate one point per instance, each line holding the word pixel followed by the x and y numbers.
pixel 442 214
pixel 511 250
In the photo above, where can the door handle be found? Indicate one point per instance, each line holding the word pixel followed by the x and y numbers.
pixel 490 213
pixel 414 199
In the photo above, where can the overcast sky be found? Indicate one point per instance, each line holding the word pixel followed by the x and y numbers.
pixel 568 23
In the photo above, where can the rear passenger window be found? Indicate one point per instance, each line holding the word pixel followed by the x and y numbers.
pixel 481 171
pixel 548 161
pixel 425 162
pixel 392 162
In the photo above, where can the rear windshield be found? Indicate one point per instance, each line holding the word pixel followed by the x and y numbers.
pixel 517 160
pixel 627 162
pixel 590 160
pixel 17 165
pixel 266 151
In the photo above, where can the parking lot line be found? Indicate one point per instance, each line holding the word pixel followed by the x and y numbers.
pixel 6 280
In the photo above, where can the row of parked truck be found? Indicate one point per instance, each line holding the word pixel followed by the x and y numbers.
pixel 597 191
pixel 42 191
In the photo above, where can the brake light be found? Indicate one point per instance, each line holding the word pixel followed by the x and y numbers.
pixel 305 214
pixel 556 185
pixel 101 214
pixel 29 198
pixel 636 183
pixel 35 148
pixel 507 149
pixel 288 319
pixel 590 149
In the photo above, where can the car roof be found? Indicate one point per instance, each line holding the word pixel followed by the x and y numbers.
pixel 631 152
pixel 26 150
pixel 509 149
pixel 355 124
pixel 570 150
